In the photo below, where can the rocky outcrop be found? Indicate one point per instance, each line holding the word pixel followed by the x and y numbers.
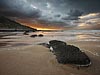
pixel 8 25
pixel 68 53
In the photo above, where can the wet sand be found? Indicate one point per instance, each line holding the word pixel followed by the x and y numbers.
pixel 28 58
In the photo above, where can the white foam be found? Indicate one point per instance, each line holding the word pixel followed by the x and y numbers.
pixel 84 65
pixel 51 49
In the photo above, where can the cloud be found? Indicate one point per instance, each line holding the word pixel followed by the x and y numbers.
pixel 90 16
pixel 91 20
pixel 73 15
pixel 58 15
pixel 50 23
pixel 52 12
pixel 19 8
pixel 88 6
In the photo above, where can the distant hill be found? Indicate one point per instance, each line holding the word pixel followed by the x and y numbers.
pixel 8 24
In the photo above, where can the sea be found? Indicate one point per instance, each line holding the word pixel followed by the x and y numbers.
pixel 67 35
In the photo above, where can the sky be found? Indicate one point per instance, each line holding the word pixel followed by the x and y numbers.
pixel 53 14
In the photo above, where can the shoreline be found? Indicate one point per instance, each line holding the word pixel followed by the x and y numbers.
pixel 28 58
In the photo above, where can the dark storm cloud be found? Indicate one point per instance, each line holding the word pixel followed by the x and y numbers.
pixel 73 15
pixel 19 14
pixel 62 6
pixel 57 15
pixel 3 3
pixel 86 5
pixel 18 8
pixel 45 22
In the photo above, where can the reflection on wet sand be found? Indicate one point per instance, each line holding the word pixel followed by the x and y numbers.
pixel 85 37
pixel 2 44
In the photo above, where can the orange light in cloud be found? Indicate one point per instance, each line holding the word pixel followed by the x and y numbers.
pixel 45 29
pixel 81 25
pixel 39 26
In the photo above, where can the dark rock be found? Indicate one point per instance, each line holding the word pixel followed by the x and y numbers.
pixel 56 43
pixel 33 35
pixel 40 35
pixel 26 33
pixel 69 54
pixel 57 46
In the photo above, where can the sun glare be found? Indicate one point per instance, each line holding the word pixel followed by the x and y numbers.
pixel 45 29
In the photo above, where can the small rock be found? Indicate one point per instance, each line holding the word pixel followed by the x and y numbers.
pixel 26 33
pixel 33 35
pixel 40 35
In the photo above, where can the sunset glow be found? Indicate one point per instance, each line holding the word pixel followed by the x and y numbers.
pixel 81 25
pixel 39 26
pixel 45 29
pixel 53 14
pixel 89 15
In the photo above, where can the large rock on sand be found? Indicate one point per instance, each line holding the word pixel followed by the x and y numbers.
pixel 69 54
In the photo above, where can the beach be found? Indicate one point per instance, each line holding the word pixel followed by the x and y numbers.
pixel 21 55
